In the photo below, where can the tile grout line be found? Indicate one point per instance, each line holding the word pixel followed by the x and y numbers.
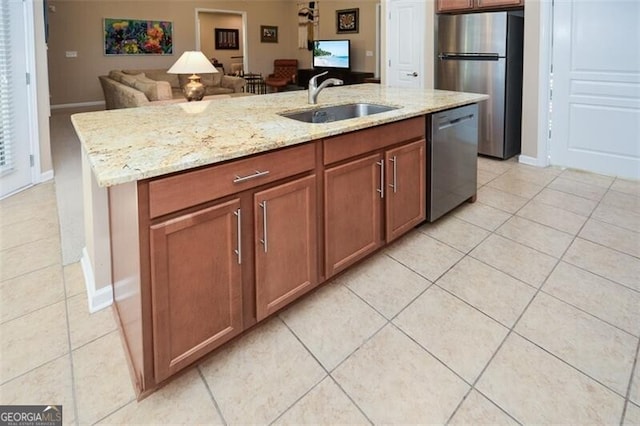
pixel 32 369
pixel 328 373
pixel 627 399
pixel 210 391
pixel 512 330
pixel 591 314
pixel 506 337
pixel 66 311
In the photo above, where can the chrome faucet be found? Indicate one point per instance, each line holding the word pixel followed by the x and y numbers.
pixel 314 89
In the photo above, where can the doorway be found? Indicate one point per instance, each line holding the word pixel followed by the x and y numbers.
pixel 405 43
pixel 230 58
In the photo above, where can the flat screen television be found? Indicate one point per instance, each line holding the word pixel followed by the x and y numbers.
pixel 332 54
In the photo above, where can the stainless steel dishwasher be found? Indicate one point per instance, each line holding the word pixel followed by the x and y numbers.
pixel 453 159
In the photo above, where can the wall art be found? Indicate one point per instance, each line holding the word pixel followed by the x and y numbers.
pixel 268 34
pixel 227 39
pixel 347 21
pixel 137 37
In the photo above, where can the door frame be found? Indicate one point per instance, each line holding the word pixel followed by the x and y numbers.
pixel 243 14
pixel 32 88
pixel 32 95
pixel 545 64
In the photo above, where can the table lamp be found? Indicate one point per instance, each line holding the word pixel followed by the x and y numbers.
pixel 192 62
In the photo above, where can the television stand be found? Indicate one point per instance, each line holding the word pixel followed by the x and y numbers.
pixel 349 77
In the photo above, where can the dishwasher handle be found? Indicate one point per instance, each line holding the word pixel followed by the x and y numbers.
pixel 456 121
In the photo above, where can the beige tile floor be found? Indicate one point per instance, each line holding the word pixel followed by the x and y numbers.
pixel 521 308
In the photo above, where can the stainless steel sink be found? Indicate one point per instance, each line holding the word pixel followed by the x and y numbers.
pixel 337 112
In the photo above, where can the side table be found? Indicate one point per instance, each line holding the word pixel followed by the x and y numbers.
pixel 255 84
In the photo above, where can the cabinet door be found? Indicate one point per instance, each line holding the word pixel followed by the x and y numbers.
pixel 406 188
pixel 195 284
pixel 498 3
pixel 353 226
pixel 285 244
pixel 454 5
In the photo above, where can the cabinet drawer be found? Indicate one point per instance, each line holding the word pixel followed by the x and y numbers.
pixel 188 189
pixel 352 144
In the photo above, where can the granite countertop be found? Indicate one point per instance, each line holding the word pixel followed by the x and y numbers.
pixel 127 145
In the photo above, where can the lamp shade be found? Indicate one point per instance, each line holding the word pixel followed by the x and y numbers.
pixel 192 62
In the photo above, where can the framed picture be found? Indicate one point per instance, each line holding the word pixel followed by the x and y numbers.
pixel 268 34
pixel 347 21
pixel 137 37
pixel 227 38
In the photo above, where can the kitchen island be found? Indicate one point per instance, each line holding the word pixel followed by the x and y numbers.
pixel 223 212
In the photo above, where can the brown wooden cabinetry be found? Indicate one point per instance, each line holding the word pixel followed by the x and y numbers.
pixel 285 244
pixel 455 6
pixel 196 285
pixel 406 188
pixel 201 256
pixel 376 198
pixel 352 207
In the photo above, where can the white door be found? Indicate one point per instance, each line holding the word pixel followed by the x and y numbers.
pixel 405 43
pixel 15 144
pixel 596 86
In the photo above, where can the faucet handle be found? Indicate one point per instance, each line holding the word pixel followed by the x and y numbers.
pixel 312 80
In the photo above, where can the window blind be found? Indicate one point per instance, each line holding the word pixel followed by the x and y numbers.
pixel 6 91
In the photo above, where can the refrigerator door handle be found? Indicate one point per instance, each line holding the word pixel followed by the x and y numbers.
pixel 469 56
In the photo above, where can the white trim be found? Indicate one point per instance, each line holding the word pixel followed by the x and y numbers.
pixel 544 83
pixel 97 299
pixel 30 185
pixel 244 37
pixel 32 90
pixel 531 161
pixel 378 36
pixel 78 105
pixel 48 175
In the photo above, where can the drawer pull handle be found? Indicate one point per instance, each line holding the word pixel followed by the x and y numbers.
pixel 264 242
pixel 257 174
pixel 394 185
pixel 238 251
pixel 381 189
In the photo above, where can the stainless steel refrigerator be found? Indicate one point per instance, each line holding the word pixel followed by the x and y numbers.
pixel 482 53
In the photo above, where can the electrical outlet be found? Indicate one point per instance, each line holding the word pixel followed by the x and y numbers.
pixel 71 54
pixel 369 52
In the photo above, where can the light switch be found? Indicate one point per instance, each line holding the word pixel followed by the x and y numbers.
pixel 71 54
pixel 369 52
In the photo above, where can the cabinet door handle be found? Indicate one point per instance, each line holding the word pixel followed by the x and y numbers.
pixel 238 251
pixel 257 174
pixel 394 185
pixel 264 242
pixel 381 189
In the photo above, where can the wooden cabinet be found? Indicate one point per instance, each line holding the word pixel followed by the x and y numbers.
pixel 375 198
pixel 406 188
pixel 455 6
pixel 201 256
pixel 481 4
pixel 352 206
pixel 285 245
pixel 196 285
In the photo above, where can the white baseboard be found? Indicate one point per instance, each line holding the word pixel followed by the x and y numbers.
pixel 48 175
pixel 98 299
pixel 532 161
pixel 78 105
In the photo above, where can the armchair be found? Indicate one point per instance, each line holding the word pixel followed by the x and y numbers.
pixel 284 73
